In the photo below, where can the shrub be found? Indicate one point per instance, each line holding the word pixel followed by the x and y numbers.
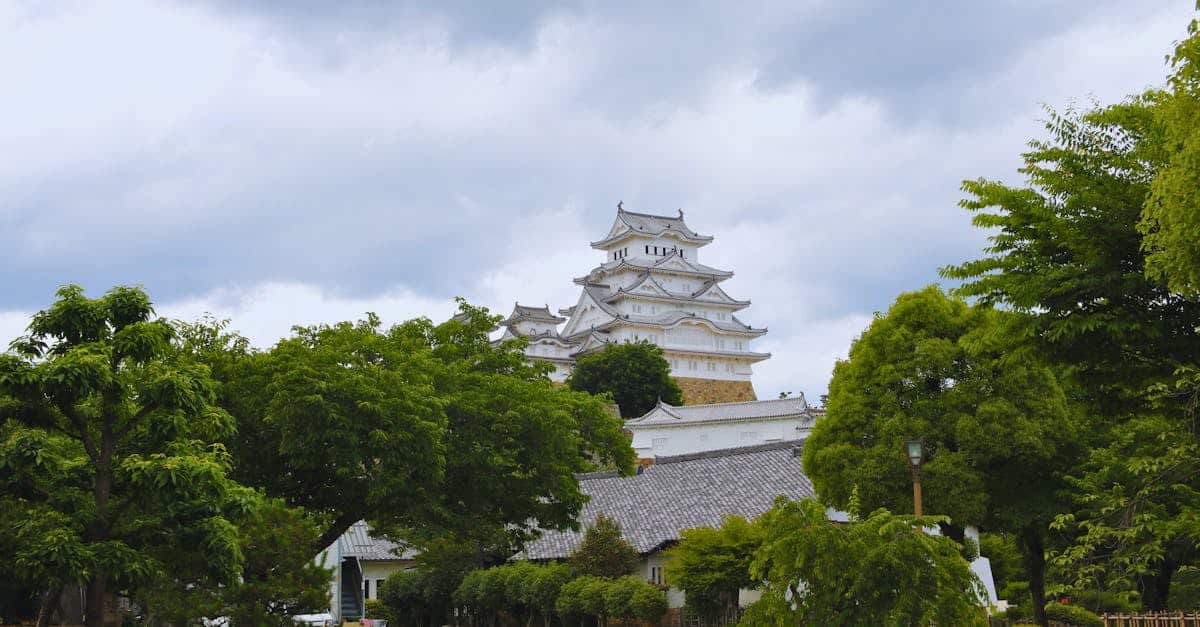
pixel 592 600
pixel 376 608
pixel 618 596
pixel 1072 615
pixel 570 597
pixel 649 603
pixel 542 588
pixel 603 552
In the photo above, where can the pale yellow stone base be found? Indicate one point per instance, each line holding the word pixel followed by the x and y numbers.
pixel 704 391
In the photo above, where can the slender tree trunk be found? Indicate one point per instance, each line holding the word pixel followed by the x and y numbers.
pixel 1156 587
pixel 49 604
pixel 1035 567
pixel 97 532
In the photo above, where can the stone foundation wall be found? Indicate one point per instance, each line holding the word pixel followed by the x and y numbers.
pixel 704 391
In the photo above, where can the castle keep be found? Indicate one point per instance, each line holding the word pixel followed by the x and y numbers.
pixel 652 287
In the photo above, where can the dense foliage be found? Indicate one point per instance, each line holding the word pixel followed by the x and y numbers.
pixel 604 552
pixel 711 565
pixel 108 457
pixel 997 427
pixel 635 374
pixel 881 569
pixel 1171 220
pixel 1113 308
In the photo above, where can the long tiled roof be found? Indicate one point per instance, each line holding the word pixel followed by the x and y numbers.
pixel 358 542
pixel 666 414
pixel 683 492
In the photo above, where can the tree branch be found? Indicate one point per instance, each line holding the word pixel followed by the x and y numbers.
pixel 334 531
pixel 80 423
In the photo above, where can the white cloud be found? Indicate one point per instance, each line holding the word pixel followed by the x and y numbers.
pixel 216 152
pixel 265 313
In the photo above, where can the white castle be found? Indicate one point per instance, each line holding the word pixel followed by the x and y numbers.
pixel 651 287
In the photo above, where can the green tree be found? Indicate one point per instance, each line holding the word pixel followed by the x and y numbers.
pixel 711 565
pixel 880 570
pixel 426 430
pixel 1171 220
pixel 997 427
pixel 1066 252
pixel 635 373
pixel 604 552
pixel 111 454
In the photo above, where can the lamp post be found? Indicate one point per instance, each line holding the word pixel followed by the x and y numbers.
pixel 916 451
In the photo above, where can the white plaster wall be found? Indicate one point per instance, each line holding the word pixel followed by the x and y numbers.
pixel 675 597
pixel 697 438
pixel 682 366
pixel 376 572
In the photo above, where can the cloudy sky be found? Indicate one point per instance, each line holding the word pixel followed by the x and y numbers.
pixel 280 163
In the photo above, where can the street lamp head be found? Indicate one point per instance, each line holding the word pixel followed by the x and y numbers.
pixel 916 451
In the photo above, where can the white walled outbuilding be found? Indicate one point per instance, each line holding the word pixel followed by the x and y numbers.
pixel 669 430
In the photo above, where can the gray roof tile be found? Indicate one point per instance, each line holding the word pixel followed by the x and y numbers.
pixel 665 413
pixel 683 492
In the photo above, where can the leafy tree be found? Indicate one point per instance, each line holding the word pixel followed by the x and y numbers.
pixel 603 552
pixel 111 453
pixel 712 565
pixel 635 373
pixel 1171 220
pixel 426 430
pixel 997 428
pixel 878 570
pixel 1067 253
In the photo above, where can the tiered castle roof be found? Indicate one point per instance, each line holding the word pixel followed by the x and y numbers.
pixel 650 284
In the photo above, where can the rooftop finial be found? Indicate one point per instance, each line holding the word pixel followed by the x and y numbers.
pixel 620 206
pixel 681 213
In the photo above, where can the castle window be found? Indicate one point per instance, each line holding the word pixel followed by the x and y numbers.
pixel 658 443
pixel 647 250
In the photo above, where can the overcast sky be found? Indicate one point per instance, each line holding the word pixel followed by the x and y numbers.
pixel 283 163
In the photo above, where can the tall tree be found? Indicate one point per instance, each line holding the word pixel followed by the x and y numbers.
pixel 426 430
pixel 635 373
pixel 1171 221
pixel 1066 252
pixel 878 570
pixel 112 452
pixel 997 427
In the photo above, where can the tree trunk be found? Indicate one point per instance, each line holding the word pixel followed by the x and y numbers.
pixel 1035 567
pixel 49 604
pixel 1156 587
pixel 97 532
pixel 97 589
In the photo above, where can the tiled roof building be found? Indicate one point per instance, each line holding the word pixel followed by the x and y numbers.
pixel 683 492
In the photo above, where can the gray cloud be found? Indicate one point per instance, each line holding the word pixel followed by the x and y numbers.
pixel 222 152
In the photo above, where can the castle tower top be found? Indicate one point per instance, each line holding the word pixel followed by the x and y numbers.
pixel 664 231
